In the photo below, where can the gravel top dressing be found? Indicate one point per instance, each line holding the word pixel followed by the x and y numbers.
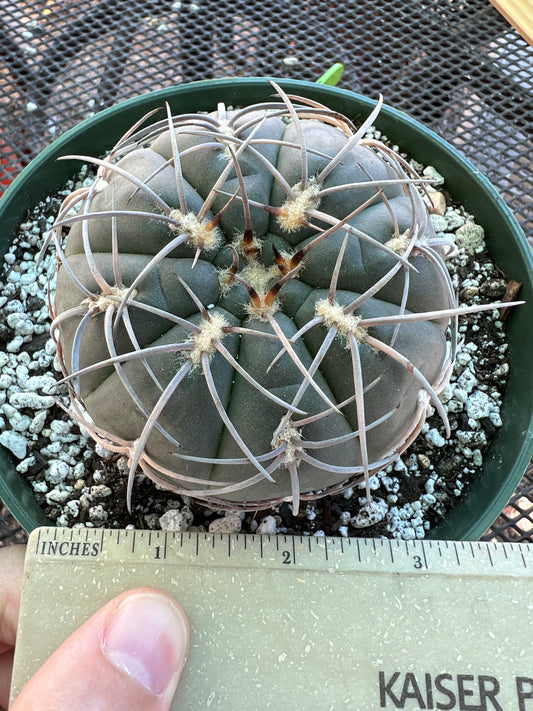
pixel 79 484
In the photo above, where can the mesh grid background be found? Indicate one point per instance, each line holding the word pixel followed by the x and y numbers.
pixel 455 65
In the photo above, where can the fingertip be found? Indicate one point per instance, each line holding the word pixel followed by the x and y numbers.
pixel 147 638
pixel 127 657
pixel 11 573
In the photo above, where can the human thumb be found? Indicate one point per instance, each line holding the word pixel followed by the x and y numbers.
pixel 126 657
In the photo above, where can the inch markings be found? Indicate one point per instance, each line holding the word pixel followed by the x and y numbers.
pixel 320 552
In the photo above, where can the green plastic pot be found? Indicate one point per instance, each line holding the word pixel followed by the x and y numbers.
pixel 511 450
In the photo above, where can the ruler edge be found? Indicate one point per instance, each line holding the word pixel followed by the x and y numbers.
pixel 403 547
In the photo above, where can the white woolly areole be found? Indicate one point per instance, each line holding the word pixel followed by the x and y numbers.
pixel 225 127
pixel 287 434
pixel 399 244
pixel 334 315
pixel 201 233
pixel 225 281
pixel 205 341
pixel 103 301
pixel 294 210
pixel 260 276
pixel 261 310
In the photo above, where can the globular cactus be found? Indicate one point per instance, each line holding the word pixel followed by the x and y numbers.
pixel 252 304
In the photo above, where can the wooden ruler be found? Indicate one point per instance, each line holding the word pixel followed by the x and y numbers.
pixel 519 13
pixel 306 623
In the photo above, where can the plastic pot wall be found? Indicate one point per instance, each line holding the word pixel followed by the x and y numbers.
pixel 511 450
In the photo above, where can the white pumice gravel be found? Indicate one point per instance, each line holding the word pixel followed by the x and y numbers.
pixel 231 523
pixel 81 484
pixel 176 519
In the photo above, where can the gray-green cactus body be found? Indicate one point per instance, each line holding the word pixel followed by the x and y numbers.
pixel 236 307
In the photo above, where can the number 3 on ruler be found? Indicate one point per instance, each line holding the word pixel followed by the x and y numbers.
pixel 418 562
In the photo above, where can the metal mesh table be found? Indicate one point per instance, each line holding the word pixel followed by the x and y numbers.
pixel 455 65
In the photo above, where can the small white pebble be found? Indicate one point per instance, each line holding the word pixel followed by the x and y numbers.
pixel 479 405
pixel 57 496
pixel 25 464
pixel 470 237
pixel 467 381
pixel 31 401
pixel 100 491
pixel 454 219
pixel 455 406
pixel 60 427
pixel 447 394
pixel 14 345
pixel 433 174
pixel 370 514
pixel 174 520
pixel 15 442
pixel 38 422
pixel 502 371
pixel 102 451
pixel 57 472
pixel 439 223
pixel 469 437
pixel 228 524
pixel 267 526
pixel 464 358
pixel 72 508
pixel 434 437
pixel 19 423
pixel 40 382
pixel 429 486
pixel 408 533
pixel 477 458
pixel 79 470
pixel 98 515
pixel 399 466
pixel 495 418
pixel 5 381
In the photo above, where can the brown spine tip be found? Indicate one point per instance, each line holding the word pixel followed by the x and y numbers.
pixel 248 237
pixel 254 297
pixel 249 245
pixel 280 260
pixel 296 259
pixel 273 292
